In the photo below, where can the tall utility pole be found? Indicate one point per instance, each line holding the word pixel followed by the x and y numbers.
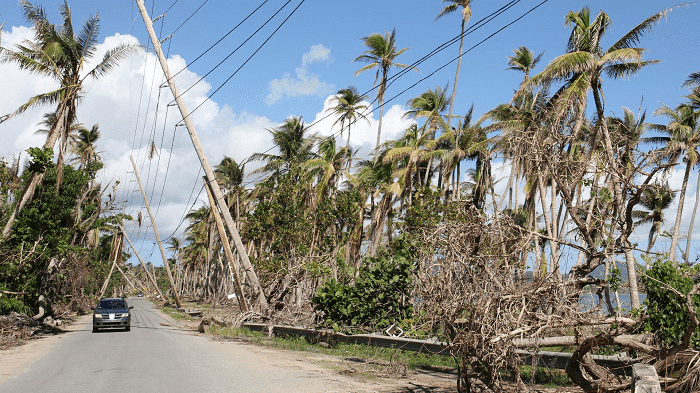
pixel 155 230
pixel 232 265
pixel 143 265
pixel 211 179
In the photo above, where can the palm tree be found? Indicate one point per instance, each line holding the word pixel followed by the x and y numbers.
pixel 582 68
pixel 349 107
pixel 656 200
pixel 430 104
pixel 693 80
pixel 406 156
pixel 327 166
pixel 381 54
pixel 466 15
pixel 85 148
pixel 585 62
pixel 523 60
pixel 294 147
pixel 60 54
pixel 683 140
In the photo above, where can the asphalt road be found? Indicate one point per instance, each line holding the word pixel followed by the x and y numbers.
pixel 158 356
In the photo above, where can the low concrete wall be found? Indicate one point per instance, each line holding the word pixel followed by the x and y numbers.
pixel 645 379
pixel 619 364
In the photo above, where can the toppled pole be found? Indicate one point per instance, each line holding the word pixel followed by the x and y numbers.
pixel 211 179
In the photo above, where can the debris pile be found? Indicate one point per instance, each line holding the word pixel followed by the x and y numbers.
pixel 15 327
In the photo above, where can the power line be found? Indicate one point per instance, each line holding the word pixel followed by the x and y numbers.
pixel 188 18
pixel 249 58
pixel 482 22
pixel 234 51
pixel 220 39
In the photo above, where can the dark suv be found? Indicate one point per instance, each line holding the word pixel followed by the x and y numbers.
pixel 113 312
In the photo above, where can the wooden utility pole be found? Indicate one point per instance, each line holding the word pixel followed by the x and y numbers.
pixel 116 252
pixel 227 252
pixel 211 179
pixel 155 230
pixel 143 265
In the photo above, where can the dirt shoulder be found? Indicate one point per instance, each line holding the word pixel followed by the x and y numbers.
pixel 17 358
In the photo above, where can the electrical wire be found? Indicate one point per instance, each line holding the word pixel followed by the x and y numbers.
pixel 236 50
pixel 190 17
pixel 219 41
pixel 247 60
pixel 482 22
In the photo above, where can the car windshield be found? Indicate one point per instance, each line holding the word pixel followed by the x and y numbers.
pixel 109 304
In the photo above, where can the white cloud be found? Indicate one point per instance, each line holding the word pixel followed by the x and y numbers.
pixel 317 54
pixel 304 82
pixel 132 110
pixel 363 134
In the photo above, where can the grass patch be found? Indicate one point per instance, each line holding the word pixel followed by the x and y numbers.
pixel 177 315
pixel 551 378
pixel 412 360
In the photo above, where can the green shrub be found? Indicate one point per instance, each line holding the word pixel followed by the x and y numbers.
pixel 667 314
pixel 9 304
pixel 379 297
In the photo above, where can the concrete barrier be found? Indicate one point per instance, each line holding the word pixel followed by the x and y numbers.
pixel 645 379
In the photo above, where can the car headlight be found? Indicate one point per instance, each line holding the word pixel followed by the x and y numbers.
pixel 125 315
pixel 98 316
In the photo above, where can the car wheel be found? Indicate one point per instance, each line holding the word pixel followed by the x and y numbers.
pixel 128 328
pixel 94 329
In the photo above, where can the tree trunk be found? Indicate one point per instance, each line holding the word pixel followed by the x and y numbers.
pixel 36 178
pixel 454 87
pixel 679 213
pixel 692 220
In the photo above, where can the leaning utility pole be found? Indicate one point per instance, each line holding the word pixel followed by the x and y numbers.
pixel 232 265
pixel 155 230
pixel 143 265
pixel 218 196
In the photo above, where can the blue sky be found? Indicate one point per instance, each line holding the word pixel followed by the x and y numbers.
pixel 299 69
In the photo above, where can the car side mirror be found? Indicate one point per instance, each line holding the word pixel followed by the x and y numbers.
pixel 131 307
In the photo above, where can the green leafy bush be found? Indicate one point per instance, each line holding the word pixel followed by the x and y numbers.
pixel 379 297
pixel 667 315
pixel 8 304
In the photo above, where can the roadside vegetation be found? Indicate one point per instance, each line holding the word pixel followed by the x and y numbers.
pixel 414 236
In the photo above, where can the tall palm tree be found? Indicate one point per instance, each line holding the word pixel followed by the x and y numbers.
pixel 349 107
pixel 585 62
pixel 85 147
pixel 523 60
pixel 466 15
pixel 59 53
pixel 327 166
pixel 656 200
pixel 430 104
pixel 682 142
pixel 294 146
pixel 582 69
pixel 381 54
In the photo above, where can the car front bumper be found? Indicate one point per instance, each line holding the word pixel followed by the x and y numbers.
pixel 107 322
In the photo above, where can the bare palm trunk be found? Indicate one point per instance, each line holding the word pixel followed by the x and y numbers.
pixel 382 86
pixel 692 220
pixel 454 88
pixel 679 213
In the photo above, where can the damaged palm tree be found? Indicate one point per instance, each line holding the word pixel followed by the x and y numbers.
pixel 59 53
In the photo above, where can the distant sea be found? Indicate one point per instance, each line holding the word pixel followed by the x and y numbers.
pixel 589 300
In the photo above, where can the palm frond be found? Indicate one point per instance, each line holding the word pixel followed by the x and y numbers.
pixel 112 58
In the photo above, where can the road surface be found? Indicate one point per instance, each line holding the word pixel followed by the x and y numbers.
pixel 158 356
